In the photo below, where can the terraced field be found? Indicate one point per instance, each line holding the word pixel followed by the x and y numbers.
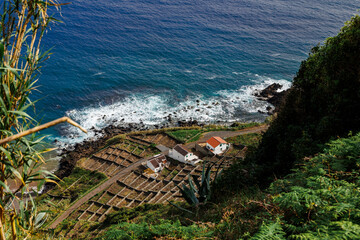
pixel 160 138
pixel 136 188
pixel 128 186
pixel 115 158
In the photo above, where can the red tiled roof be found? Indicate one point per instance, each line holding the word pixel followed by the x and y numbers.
pixel 215 141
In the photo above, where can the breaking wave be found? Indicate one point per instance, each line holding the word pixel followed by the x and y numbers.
pixel 149 110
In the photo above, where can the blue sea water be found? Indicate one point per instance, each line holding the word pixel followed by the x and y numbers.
pixel 122 61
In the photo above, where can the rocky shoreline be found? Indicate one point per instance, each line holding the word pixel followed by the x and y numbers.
pixel 271 95
pixel 69 156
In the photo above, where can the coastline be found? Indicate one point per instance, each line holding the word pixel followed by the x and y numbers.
pixel 70 154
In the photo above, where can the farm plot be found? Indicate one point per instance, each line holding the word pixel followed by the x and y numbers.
pixel 115 158
pixel 160 138
pixel 134 188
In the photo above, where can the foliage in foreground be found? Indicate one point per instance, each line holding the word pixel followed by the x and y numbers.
pixel 321 199
pixel 23 24
pixel 166 228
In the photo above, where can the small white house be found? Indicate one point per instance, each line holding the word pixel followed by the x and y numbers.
pixel 217 145
pixel 182 154
pixel 156 163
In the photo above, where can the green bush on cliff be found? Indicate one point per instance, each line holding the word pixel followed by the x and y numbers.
pixel 322 104
pixel 321 199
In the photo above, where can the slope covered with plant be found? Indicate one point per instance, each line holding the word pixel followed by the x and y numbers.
pixel 321 198
pixel 322 104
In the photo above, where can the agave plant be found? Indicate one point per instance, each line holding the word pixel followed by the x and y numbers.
pixel 199 191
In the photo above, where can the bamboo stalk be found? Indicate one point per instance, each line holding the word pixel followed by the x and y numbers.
pixel 42 127
pixel 13 227
pixel 2 233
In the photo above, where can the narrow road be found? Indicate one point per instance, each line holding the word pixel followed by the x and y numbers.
pixel 100 188
pixel 105 185
pixel 227 134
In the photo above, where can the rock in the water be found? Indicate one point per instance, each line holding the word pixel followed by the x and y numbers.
pixel 271 95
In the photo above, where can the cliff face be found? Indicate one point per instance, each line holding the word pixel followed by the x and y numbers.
pixel 323 103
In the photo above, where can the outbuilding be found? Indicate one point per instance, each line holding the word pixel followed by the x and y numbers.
pixel 157 162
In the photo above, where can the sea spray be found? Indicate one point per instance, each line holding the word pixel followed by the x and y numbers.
pixel 148 110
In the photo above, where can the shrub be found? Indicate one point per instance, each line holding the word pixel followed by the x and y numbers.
pixel 321 199
pixel 165 228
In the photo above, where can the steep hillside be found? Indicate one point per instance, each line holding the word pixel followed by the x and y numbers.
pixel 320 199
pixel 323 103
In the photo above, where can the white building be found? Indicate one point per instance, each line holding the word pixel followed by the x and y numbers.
pixel 217 145
pixel 182 154
pixel 157 163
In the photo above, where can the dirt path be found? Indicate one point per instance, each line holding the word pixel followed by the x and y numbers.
pixel 227 134
pixel 100 188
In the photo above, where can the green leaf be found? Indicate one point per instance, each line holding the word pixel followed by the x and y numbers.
pixel 191 184
pixel 181 208
pixel 7 153
pixel 2 49
pixel 21 113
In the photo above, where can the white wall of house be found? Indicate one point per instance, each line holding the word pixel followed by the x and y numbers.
pixel 208 146
pixel 219 149
pixel 185 159
pixel 158 169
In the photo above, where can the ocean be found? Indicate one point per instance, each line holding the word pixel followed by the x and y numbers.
pixel 117 62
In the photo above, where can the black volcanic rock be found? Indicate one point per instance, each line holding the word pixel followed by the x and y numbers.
pixel 271 95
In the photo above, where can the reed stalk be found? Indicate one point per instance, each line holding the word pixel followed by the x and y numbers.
pixel 22 27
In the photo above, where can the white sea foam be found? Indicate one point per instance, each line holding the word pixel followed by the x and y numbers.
pixel 224 105
pixel 99 73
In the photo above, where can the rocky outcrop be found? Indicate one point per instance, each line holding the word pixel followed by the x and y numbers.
pixel 271 95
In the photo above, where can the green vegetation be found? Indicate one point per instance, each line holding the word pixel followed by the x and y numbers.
pixel 23 24
pixel 198 192
pixel 250 139
pixel 173 174
pixel 240 126
pixel 238 215
pixel 191 135
pixel 234 127
pixel 165 172
pixel 323 104
pixel 320 199
pixel 168 229
pixel 185 136
pixel 83 179
pixel 115 140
